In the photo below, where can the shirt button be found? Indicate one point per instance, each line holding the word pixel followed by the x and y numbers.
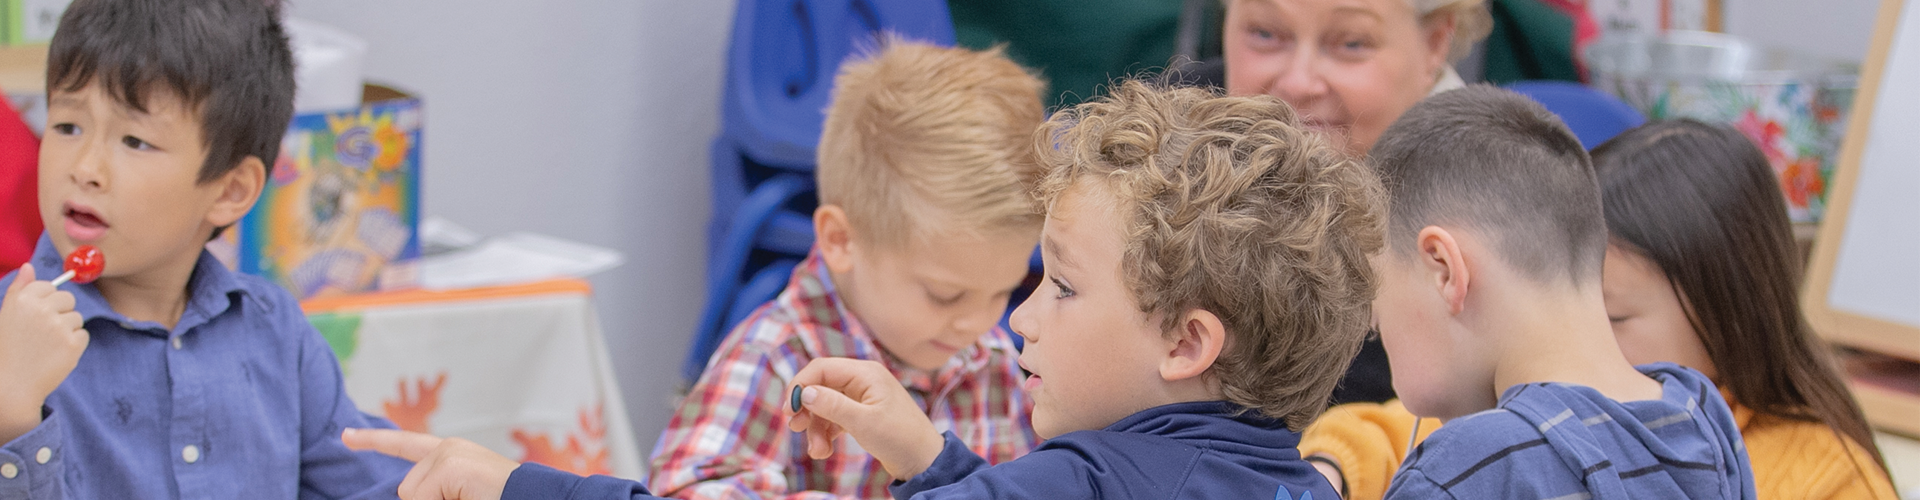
pixel 9 470
pixel 176 343
pixel 44 455
pixel 190 453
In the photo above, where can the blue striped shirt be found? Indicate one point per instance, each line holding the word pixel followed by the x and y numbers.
pixel 1562 441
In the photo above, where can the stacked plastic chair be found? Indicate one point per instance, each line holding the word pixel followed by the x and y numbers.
pixel 1592 115
pixel 780 67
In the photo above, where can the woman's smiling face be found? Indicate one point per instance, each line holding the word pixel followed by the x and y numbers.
pixel 1350 67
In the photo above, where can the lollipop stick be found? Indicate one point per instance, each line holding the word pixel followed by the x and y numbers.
pixel 63 278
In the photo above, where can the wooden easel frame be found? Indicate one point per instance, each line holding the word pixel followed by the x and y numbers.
pixel 1841 326
pixel 1887 409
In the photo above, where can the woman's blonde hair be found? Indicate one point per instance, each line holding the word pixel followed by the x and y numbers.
pixel 923 140
pixel 1471 22
pixel 1230 206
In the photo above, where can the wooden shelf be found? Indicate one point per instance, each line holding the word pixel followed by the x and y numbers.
pixel 1888 390
pixel 1888 410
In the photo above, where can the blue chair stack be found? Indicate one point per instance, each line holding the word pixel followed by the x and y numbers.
pixel 1594 116
pixel 781 61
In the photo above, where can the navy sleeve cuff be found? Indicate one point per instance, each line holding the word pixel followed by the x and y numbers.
pixel 30 465
pixel 534 481
pixel 955 463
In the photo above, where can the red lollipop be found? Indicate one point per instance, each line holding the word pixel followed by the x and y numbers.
pixel 83 265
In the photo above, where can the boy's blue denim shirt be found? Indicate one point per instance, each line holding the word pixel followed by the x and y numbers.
pixel 241 399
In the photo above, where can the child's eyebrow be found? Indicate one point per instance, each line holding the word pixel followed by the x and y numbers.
pixel 1059 252
pixel 66 101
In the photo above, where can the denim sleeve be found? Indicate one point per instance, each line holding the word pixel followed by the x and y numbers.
pixel 31 477
pixel 327 468
pixel 538 482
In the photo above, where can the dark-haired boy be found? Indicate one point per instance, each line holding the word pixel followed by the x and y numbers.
pixel 1491 313
pixel 169 377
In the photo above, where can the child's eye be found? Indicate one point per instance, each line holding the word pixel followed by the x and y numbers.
pixel 1062 290
pixel 945 301
pixel 136 143
pixel 65 129
pixel 1616 319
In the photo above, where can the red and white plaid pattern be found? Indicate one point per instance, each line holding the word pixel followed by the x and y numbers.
pixel 729 437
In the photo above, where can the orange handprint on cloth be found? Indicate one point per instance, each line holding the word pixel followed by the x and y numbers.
pixel 575 457
pixel 412 410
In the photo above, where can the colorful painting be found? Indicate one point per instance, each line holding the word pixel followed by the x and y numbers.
pixel 340 213
pixel 1798 123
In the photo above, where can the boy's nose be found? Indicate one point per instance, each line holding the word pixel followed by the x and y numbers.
pixel 89 168
pixel 977 321
pixel 1022 321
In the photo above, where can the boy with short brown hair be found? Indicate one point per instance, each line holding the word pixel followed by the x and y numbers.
pixel 1492 314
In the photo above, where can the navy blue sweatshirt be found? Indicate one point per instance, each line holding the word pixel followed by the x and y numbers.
pixel 1185 450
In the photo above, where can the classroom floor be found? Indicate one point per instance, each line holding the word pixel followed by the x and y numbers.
pixel 1903 460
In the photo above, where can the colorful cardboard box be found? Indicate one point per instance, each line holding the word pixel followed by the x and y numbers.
pixel 341 210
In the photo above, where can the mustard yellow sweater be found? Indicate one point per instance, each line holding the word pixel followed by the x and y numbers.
pixel 1791 459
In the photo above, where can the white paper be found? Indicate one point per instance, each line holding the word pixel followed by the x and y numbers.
pixel 327 65
pixel 515 258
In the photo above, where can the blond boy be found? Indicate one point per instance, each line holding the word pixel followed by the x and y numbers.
pixel 924 230
pixel 1207 284
pixel 925 227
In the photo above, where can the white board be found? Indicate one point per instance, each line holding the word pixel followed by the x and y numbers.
pixel 1863 288
pixel 1878 270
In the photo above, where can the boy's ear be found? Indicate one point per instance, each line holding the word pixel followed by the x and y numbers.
pixel 238 190
pixel 834 236
pixel 1196 343
pixel 1438 255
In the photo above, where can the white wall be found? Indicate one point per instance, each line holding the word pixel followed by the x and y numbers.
pixel 1838 29
pixel 584 119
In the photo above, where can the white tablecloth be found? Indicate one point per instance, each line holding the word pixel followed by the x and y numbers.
pixel 522 370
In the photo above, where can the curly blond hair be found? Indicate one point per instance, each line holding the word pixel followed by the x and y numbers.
pixel 1232 207
pixel 923 140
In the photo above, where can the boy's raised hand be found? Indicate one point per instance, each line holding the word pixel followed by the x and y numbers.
pixel 443 469
pixel 863 399
pixel 44 340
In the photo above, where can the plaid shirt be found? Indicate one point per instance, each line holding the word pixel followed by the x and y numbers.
pixel 729 438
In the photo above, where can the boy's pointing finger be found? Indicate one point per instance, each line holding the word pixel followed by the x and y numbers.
pixel 412 446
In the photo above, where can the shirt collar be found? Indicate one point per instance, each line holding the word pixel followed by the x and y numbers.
pixel 212 290
pixel 1448 80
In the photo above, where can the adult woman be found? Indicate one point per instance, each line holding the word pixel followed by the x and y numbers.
pixel 1350 67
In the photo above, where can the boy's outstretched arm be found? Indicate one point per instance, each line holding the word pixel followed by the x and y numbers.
pixel 862 398
pixel 451 469
pixel 458 469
